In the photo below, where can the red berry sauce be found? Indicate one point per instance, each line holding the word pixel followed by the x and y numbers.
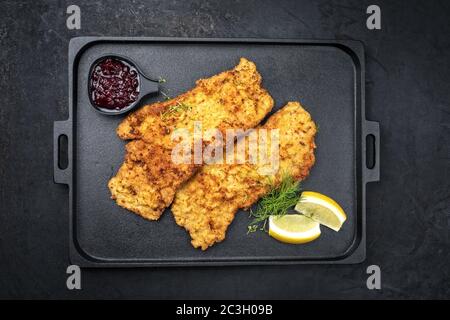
pixel 114 84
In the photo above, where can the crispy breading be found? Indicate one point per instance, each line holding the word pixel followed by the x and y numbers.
pixel 147 180
pixel 206 205
pixel 231 99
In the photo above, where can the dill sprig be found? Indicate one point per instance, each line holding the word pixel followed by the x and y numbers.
pixel 276 203
pixel 177 107
pixel 166 95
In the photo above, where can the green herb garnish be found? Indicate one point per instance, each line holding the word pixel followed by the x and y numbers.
pixel 178 107
pixel 166 96
pixel 276 203
pixel 162 80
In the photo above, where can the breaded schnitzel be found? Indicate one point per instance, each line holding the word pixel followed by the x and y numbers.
pixel 148 179
pixel 231 99
pixel 205 206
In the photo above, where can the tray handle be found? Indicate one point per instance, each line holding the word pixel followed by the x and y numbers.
pixel 61 175
pixel 372 174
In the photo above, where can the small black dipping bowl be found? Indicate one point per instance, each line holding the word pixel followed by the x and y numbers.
pixel 116 84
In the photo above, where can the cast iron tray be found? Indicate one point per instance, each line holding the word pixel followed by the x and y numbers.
pixel 327 77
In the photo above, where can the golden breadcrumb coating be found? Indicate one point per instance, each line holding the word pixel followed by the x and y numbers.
pixel 205 206
pixel 148 179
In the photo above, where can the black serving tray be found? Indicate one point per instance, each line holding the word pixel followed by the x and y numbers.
pixel 327 77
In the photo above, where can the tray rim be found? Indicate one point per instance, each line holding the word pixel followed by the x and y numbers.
pixel 356 252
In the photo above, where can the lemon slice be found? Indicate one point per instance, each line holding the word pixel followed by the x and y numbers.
pixel 322 209
pixel 293 228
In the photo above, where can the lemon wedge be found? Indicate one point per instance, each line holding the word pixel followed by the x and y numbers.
pixel 321 209
pixel 293 228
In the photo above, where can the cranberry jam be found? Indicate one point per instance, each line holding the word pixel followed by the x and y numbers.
pixel 114 84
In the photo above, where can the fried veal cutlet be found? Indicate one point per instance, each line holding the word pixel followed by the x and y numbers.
pixel 205 206
pixel 148 179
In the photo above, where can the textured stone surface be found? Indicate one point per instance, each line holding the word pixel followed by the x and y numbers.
pixel 408 212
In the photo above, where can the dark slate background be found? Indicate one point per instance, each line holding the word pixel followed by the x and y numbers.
pixel 408 91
